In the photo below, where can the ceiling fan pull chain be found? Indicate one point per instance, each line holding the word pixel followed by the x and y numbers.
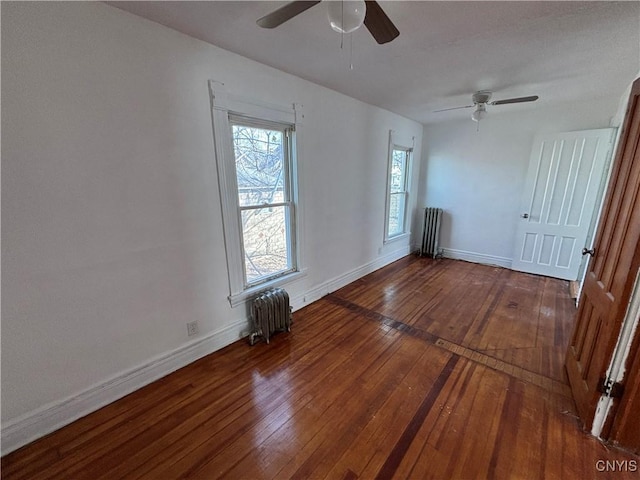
pixel 342 23
pixel 351 51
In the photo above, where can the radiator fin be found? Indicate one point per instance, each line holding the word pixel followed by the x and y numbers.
pixel 270 313
pixel 431 232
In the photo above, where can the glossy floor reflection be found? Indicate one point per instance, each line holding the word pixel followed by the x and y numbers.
pixel 423 369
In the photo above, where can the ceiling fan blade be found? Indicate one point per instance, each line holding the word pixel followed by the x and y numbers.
pixel 379 25
pixel 532 98
pixel 454 108
pixel 287 12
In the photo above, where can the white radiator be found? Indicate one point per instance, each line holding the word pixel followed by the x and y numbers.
pixel 430 246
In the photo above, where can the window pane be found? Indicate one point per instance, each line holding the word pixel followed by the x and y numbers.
pixel 265 235
pixel 396 214
pixel 398 170
pixel 259 155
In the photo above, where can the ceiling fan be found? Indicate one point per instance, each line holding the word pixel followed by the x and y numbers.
pixel 481 100
pixel 344 17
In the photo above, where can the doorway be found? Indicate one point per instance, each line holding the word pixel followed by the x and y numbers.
pixel 561 190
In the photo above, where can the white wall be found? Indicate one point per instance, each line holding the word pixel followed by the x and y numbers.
pixel 111 221
pixel 477 177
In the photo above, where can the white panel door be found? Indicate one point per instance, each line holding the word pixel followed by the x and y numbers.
pixel 559 200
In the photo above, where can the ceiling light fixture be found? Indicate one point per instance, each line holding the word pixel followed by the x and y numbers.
pixel 479 113
pixel 346 16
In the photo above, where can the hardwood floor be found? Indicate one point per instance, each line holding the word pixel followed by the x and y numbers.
pixel 423 369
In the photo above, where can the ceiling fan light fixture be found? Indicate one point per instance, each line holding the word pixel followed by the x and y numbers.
pixel 346 16
pixel 479 113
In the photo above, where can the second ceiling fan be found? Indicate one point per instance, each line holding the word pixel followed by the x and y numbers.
pixel 340 14
pixel 481 100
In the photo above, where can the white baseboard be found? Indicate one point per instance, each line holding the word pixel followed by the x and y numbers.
pixel 476 257
pixel 51 417
pixel 340 281
pixel 33 425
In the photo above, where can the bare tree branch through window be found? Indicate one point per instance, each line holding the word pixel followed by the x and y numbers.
pixel 263 193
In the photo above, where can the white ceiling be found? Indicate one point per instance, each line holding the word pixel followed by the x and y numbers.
pixel 562 51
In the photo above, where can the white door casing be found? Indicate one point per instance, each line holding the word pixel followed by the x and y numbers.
pixel 559 201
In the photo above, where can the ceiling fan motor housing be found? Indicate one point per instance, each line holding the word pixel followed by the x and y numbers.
pixel 482 96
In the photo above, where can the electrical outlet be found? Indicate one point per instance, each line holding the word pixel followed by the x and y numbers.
pixel 192 328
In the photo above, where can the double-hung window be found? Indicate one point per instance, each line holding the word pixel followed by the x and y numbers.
pixel 397 192
pixel 262 152
pixel 255 147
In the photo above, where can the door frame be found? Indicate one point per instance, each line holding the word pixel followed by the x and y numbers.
pixel 623 355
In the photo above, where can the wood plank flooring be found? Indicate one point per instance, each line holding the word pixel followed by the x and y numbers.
pixel 423 369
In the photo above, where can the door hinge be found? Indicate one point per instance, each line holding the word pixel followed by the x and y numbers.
pixel 611 389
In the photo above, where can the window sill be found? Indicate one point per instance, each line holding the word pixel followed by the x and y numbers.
pixel 242 297
pixel 397 238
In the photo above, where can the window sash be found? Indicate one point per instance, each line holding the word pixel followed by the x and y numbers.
pixel 399 190
pixel 401 210
pixel 287 204
pixel 263 205
pixel 402 185
pixel 286 132
pixel 287 263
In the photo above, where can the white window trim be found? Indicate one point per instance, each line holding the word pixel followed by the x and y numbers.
pixel 222 104
pixel 397 238
pixel 395 143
